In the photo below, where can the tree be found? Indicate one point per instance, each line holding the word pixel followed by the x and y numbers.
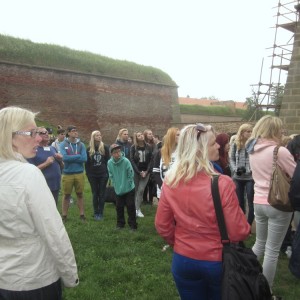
pixel 253 112
pixel 276 95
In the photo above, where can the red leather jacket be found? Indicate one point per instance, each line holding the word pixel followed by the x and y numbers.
pixel 186 217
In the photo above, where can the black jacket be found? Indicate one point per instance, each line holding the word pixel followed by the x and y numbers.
pixel 294 193
pixel 141 158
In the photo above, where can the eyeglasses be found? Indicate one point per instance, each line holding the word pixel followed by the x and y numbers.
pixel 43 132
pixel 32 133
pixel 200 128
pixel 73 130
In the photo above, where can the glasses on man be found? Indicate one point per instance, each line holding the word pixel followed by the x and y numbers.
pixel 32 133
pixel 200 128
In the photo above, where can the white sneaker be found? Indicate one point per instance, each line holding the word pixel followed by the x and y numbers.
pixel 288 251
pixel 139 214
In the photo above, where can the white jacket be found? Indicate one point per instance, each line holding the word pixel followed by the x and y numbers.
pixel 35 249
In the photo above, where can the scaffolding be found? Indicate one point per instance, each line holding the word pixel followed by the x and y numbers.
pixel 286 22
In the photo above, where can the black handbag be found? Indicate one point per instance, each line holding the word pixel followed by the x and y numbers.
pixel 242 277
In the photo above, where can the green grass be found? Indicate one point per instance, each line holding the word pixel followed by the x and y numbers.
pixel 46 55
pixel 115 264
pixel 211 110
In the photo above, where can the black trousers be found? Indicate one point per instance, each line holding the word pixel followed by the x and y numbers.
pixel 49 292
pixel 128 201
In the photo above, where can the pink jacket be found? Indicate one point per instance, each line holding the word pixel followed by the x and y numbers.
pixel 261 161
pixel 186 217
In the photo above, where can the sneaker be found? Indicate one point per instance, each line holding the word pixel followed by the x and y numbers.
pixel 64 219
pixel 82 218
pixel 97 217
pixel 139 214
pixel 288 251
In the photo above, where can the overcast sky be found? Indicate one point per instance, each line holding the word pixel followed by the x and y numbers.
pixel 209 48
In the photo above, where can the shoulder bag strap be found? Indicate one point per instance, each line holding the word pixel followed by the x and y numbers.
pixel 275 154
pixel 218 209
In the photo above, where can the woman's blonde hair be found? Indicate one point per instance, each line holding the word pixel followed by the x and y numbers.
pixel 12 119
pixel 191 155
pixel 92 144
pixel 268 127
pixel 240 140
pixel 169 145
pixel 135 140
pixel 121 132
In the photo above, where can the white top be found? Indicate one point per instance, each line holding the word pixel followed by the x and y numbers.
pixel 35 250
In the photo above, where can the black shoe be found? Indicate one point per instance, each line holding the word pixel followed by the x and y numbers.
pixel 64 219
pixel 82 218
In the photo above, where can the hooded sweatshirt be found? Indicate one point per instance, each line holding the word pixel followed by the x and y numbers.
pixel 74 156
pixel 121 174
pixel 261 161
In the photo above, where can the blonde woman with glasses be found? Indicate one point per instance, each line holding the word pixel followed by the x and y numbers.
pixel 186 216
pixel 35 252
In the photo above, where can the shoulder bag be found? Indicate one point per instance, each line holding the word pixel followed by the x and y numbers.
pixel 279 187
pixel 242 276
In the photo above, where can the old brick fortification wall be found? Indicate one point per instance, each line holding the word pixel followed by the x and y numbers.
pixel 290 107
pixel 89 101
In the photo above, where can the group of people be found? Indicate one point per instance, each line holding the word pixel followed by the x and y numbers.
pixel 186 217
pixel 66 158
pixel 181 168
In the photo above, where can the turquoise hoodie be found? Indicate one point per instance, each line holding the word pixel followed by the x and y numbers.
pixel 121 174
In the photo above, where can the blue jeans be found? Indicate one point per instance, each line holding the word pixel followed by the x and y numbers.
pixel 271 227
pixel 197 279
pixel 241 186
pixel 98 186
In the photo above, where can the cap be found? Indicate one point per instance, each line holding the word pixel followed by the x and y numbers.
pixel 70 128
pixel 114 147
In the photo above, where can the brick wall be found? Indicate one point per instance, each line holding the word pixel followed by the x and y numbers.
pixel 290 107
pixel 89 101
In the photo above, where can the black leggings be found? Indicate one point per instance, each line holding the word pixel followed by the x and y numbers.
pixel 49 292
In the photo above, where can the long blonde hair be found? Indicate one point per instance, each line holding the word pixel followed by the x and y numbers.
pixel 92 144
pixel 120 133
pixel 12 119
pixel 240 140
pixel 268 127
pixel 191 155
pixel 169 145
